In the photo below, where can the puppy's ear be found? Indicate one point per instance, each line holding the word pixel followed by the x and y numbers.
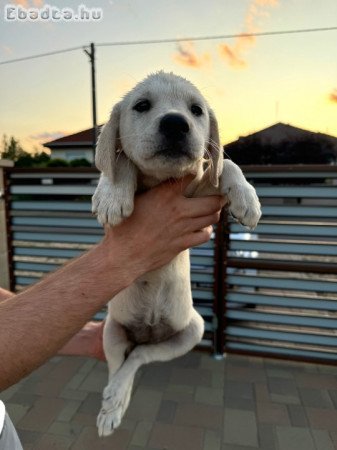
pixel 108 144
pixel 215 151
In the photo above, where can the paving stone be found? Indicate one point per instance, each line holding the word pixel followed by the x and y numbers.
pixel 261 392
pixel 89 440
pixel 209 396
pixel 240 428
pixel 191 377
pixel 16 412
pixel 72 394
pixel 238 389
pixel 178 397
pixel 333 396
pixel 65 429
pixel 175 437
pixel 298 417
pixel 212 440
pixel 53 442
pixel 316 381
pixel 293 438
pixel 8 393
pixel 144 405
pixel 247 404
pixel 142 432
pixel 279 373
pixel 246 374
pixel 91 404
pixel 42 414
pixel 208 362
pixel 322 440
pixel 218 379
pixel 28 437
pixel 317 398
pixel 272 413
pixel 167 411
pixel 20 398
pixel 95 381
pixel 196 414
pixel 322 419
pixel 69 410
pixel 85 419
pixel 156 376
pixel 267 437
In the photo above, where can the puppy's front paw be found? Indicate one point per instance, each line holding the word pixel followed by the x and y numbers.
pixel 111 208
pixel 244 204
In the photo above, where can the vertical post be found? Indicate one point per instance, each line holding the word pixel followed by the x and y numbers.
pixel 6 254
pixel 91 55
pixel 221 243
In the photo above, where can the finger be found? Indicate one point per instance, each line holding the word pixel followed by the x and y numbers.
pixel 199 223
pixel 203 206
pixel 199 237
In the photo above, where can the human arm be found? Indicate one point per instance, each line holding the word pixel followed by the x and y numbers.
pixel 37 322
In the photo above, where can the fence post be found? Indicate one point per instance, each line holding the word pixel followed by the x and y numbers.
pixel 221 248
pixel 6 270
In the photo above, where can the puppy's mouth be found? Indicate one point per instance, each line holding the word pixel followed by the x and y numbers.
pixel 173 152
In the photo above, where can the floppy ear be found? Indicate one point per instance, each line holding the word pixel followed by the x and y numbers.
pixel 215 150
pixel 108 144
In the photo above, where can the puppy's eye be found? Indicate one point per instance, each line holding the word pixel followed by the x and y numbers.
pixel 196 110
pixel 142 106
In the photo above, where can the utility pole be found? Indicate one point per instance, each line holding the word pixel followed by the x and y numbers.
pixel 91 55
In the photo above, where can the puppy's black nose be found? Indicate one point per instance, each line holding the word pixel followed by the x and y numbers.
pixel 174 126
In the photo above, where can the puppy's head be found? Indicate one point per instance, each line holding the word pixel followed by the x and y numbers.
pixel 165 127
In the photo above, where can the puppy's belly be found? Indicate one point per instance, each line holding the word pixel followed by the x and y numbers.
pixel 139 332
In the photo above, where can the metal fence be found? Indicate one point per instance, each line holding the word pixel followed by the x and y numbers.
pixel 271 292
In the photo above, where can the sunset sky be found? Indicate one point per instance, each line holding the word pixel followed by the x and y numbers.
pixel 251 83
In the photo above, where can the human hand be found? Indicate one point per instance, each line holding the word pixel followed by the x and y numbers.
pixel 164 223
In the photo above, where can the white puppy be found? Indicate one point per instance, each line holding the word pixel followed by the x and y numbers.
pixel 163 128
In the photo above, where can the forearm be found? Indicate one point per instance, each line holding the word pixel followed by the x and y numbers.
pixel 36 323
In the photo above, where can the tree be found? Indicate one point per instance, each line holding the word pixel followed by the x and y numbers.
pixel 12 149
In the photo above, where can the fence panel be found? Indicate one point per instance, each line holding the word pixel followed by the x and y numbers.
pixel 281 290
pixel 51 222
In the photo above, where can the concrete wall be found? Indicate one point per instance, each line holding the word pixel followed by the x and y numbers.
pixel 4 271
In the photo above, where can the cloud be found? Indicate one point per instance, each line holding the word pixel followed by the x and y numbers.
pixel 47 136
pixel 235 54
pixel 187 56
pixel 333 96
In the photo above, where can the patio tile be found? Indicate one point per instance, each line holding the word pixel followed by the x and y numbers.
pixel 191 377
pixel 238 389
pixel 175 437
pixel 69 410
pixel 28 437
pixel 167 411
pixel 89 440
pixel 247 404
pixel 42 414
pixel 212 440
pixel 209 396
pixel 316 380
pixel 144 404
pixel 322 419
pixel 53 442
pixel 91 404
pixel 317 398
pixel 322 440
pixel 141 434
pixel 199 415
pixel 95 381
pixel 261 392
pixel 292 438
pixel 272 413
pixel 240 428
pixel 70 430
pixel 267 437
pixel 298 417
pixel 16 412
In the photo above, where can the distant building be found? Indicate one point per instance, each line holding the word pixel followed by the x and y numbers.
pixel 73 146
pixel 280 132
pixel 281 142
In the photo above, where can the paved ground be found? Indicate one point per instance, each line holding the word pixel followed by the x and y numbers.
pixel 192 403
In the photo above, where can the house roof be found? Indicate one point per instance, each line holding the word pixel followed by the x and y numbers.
pixel 80 139
pixel 279 132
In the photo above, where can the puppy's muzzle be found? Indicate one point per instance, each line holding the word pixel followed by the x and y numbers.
pixel 174 127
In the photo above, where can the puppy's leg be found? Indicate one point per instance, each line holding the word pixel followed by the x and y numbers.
pixel 113 201
pixel 115 344
pixel 244 203
pixel 119 386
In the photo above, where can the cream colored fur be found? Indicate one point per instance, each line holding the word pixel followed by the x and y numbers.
pixel 159 304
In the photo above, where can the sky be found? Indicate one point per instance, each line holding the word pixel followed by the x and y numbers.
pixel 251 83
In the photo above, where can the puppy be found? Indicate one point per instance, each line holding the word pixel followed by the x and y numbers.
pixel 163 128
